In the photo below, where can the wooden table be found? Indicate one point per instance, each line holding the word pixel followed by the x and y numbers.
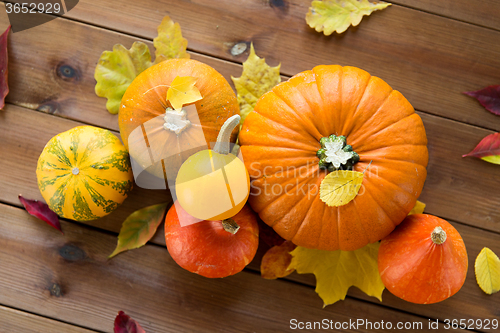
pixel 429 50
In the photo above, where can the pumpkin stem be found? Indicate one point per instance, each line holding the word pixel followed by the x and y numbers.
pixel 223 139
pixel 438 235
pixel 335 154
pixel 176 121
pixel 230 226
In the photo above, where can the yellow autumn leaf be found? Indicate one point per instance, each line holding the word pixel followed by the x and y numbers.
pixel 337 271
pixel 487 268
pixel 169 43
pixel 418 209
pixel 339 187
pixel 257 79
pixel 337 15
pixel 182 91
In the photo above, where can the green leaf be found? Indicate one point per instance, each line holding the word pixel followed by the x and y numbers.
pixel 139 227
pixel 337 15
pixel 169 44
pixel 487 269
pixel 257 79
pixel 337 271
pixel 117 69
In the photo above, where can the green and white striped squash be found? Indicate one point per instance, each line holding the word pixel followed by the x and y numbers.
pixel 84 173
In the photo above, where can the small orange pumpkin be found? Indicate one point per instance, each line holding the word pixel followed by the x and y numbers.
pixel 146 99
pixel 424 260
pixel 283 145
pixel 212 248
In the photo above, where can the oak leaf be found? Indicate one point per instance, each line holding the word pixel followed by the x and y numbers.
pixel 339 187
pixel 116 70
pixel 489 97
pixel 487 269
pixel 488 149
pixel 257 79
pixel 183 91
pixel 139 227
pixel 337 271
pixel 169 43
pixel 328 16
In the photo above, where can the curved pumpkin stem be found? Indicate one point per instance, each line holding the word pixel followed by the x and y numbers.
pixel 223 139
pixel 438 236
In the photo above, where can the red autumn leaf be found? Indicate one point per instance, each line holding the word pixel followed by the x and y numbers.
pixel 276 261
pixel 489 97
pixel 125 324
pixel 42 211
pixel 488 149
pixel 4 87
pixel 268 235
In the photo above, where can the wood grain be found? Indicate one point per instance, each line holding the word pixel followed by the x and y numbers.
pixel 430 59
pixel 69 277
pixel 19 161
pixel 12 321
pixel 484 13
pixel 459 189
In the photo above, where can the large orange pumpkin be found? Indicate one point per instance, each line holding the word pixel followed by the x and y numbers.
pixel 146 99
pixel 280 142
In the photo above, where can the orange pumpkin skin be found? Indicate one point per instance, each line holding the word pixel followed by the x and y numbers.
pixel 416 269
pixel 205 248
pixel 280 138
pixel 145 99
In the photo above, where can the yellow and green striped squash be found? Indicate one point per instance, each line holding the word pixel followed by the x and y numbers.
pixel 84 173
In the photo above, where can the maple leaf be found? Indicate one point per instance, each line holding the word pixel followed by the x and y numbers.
pixel 487 269
pixel 488 149
pixel 276 261
pixel 169 43
pixel 139 227
pixel 489 97
pixel 182 91
pixel 257 79
pixel 42 211
pixel 125 324
pixel 337 15
pixel 4 87
pixel 116 70
pixel 339 187
pixel 337 271
pixel 418 208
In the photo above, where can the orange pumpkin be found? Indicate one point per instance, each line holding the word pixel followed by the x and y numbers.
pixel 424 260
pixel 283 145
pixel 207 248
pixel 179 132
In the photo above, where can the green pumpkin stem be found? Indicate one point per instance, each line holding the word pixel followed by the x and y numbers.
pixel 341 141
pixel 230 226
pixel 222 146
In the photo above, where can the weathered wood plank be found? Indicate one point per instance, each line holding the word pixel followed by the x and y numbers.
pixel 460 189
pixel 12 320
pixel 485 13
pixel 430 59
pixel 19 154
pixel 69 277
